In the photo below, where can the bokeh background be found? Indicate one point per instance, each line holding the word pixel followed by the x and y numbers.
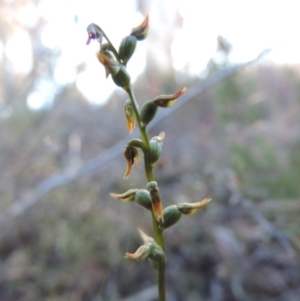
pixel 235 137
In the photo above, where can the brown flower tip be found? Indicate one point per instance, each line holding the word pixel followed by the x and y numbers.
pixel 156 202
pixel 126 197
pixel 111 66
pixel 130 116
pixel 190 208
pixel 141 253
pixel 141 31
pixel 132 157
pixel 166 101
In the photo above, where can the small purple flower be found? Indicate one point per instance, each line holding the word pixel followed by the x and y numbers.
pixel 94 32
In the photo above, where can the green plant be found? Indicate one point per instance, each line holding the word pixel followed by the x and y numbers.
pixel 115 65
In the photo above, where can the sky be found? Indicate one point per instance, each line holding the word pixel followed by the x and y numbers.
pixel 250 26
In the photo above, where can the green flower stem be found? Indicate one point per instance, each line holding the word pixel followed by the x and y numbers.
pixel 158 233
pixel 113 49
pixel 161 281
pixel 142 129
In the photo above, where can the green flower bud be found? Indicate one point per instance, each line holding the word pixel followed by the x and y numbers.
pixel 118 72
pixel 155 150
pixel 142 197
pixel 148 112
pixel 108 54
pixel 171 216
pixel 156 252
pixel 111 66
pixel 122 78
pixel 156 147
pixel 127 48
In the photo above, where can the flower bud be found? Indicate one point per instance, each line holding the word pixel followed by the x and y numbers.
pixel 142 197
pixel 111 66
pixel 95 33
pixel 190 208
pixel 122 78
pixel 171 216
pixel 148 112
pixel 166 101
pixel 118 72
pixel 150 249
pixel 156 252
pixel 141 31
pixel 127 48
pixel 126 197
pixel 132 156
pixel 156 147
pixel 156 202
pixel 141 253
pixel 130 116
pixel 108 54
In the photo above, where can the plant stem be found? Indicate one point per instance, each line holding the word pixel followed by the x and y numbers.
pixel 159 239
pixel 158 233
pixel 113 49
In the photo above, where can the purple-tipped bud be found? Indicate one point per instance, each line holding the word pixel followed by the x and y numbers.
pixel 94 33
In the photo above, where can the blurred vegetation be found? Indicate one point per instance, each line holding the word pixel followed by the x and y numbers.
pixel 243 149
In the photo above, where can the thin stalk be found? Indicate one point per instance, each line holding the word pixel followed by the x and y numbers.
pixel 161 281
pixel 142 129
pixel 158 233
pixel 113 49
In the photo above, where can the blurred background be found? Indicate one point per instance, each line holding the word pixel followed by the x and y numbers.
pixel 234 136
